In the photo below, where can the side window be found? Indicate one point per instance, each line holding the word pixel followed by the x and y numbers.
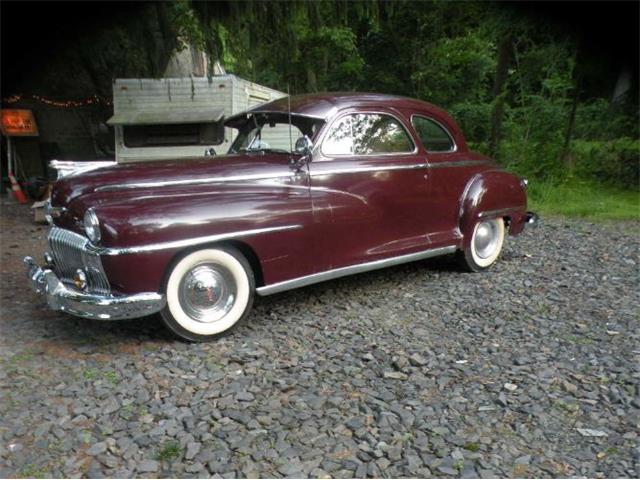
pixel 367 134
pixel 434 137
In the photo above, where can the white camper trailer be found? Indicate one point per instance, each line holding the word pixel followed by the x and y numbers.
pixel 157 119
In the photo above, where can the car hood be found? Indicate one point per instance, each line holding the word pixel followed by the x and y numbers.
pixel 113 183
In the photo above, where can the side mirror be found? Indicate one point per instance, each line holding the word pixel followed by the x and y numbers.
pixel 304 145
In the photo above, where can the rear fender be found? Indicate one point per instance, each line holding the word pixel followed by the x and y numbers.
pixel 492 194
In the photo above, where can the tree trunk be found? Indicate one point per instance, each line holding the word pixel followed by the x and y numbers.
pixel 497 113
pixel 312 82
pixel 566 158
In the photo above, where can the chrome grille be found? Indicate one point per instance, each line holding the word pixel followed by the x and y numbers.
pixel 70 253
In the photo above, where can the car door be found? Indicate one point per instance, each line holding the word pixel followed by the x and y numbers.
pixel 368 186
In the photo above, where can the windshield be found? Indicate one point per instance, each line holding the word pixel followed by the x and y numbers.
pixel 270 133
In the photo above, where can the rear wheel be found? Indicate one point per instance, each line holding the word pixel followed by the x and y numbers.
pixel 485 245
pixel 209 292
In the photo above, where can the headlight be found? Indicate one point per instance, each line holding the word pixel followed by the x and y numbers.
pixel 92 225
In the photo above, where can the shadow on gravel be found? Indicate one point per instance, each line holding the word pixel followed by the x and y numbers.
pixel 382 278
pixel 79 332
pixel 87 335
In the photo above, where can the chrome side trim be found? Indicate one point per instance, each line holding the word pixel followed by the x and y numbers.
pixel 350 270
pixel 367 169
pixel 458 163
pixel 93 306
pixel 188 242
pixel 194 181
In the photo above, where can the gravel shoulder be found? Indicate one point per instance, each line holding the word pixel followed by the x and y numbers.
pixel 528 370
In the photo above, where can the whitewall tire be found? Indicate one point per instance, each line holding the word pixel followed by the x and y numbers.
pixel 209 292
pixel 484 246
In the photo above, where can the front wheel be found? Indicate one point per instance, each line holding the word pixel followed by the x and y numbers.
pixel 485 245
pixel 209 292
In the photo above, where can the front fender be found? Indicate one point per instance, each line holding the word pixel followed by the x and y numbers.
pixel 492 194
pixel 142 233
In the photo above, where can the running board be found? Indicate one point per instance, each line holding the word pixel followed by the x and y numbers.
pixel 351 270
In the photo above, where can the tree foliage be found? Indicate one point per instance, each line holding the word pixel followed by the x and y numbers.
pixel 513 82
pixel 524 89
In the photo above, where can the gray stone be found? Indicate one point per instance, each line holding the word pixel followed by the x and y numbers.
pixel 192 450
pixel 292 469
pixel 468 472
pixel 448 470
pixel 245 396
pixel 523 460
pixel 417 360
pixel 194 467
pixel 147 466
pixel 395 375
pixel 97 448
pixel 111 405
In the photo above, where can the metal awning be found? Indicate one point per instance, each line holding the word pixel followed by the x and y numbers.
pixel 168 116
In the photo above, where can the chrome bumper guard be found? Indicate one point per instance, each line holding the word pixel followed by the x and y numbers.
pixel 531 219
pixel 87 305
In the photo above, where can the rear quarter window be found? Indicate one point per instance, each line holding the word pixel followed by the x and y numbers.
pixel 433 136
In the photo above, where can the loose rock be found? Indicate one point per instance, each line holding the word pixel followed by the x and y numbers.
pixel 337 380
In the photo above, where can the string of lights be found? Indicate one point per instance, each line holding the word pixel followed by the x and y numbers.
pixel 93 100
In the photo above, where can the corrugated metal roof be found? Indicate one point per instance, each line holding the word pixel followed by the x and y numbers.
pixel 168 116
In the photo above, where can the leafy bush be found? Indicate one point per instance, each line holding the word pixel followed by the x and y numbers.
pixel 474 119
pixel 613 162
pixel 599 120
pixel 533 158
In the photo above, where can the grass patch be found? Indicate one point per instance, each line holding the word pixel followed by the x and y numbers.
pixel 90 373
pixel 578 339
pixel 570 408
pixel 169 451
pixel 472 447
pixel 584 199
pixel 31 471
pixel 22 357
pixel 612 451
pixel 111 377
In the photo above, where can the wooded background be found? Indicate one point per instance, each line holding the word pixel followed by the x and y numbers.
pixel 549 89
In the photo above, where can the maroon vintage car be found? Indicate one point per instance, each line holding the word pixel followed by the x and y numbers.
pixel 313 188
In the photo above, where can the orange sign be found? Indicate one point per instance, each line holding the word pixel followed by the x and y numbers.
pixel 19 123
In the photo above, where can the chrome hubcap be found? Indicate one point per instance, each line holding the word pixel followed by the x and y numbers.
pixel 486 238
pixel 207 292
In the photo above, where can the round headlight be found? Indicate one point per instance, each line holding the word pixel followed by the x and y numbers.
pixel 92 225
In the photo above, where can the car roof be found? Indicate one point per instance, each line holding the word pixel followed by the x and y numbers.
pixel 324 105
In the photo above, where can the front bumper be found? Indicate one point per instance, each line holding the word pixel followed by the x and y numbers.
pixel 100 307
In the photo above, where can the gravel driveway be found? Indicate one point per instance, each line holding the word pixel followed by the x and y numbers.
pixel 528 370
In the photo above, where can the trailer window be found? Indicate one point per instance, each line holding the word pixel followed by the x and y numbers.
pixel 173 135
